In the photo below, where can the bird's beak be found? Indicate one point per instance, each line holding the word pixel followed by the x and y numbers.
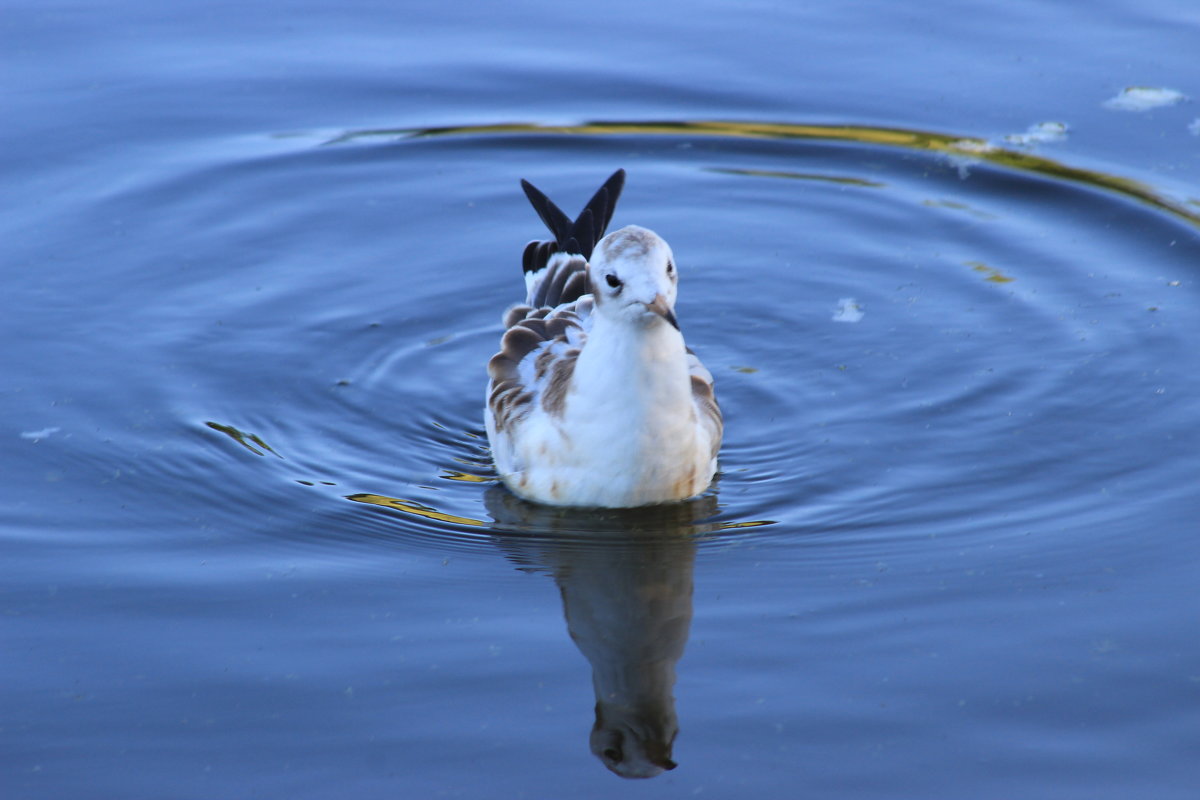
pixel 661 307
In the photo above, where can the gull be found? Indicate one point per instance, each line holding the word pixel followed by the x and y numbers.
pixel 594 399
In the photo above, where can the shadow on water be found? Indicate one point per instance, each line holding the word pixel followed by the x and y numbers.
pixel 625 577
pixel 627 600
pixel 965 150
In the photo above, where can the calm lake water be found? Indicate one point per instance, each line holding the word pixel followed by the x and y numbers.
pixel 944 263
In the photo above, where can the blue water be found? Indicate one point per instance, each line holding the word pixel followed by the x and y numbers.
pixel 943 265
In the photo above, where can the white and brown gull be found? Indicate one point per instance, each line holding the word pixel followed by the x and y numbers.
pixel 594 399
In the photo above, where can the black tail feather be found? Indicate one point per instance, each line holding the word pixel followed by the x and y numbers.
pixel 578 237
pixel 558 222
pixel 537 254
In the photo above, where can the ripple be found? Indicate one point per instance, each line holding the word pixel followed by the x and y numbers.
pixel 949 144
pixel 1017 344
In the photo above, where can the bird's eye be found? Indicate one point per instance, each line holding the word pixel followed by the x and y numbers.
pixel 670 268
pixel 613 280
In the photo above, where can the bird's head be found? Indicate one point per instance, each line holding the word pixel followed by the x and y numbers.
pixel 633 277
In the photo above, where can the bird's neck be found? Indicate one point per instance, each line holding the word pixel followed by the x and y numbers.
pixel 644 363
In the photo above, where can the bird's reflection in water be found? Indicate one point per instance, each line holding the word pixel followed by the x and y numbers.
pixel 626 583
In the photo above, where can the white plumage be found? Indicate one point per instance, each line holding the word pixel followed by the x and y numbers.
pixel 593 399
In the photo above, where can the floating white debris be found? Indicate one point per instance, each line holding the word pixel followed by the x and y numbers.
pixel 966 153
pixel 37 436
pixel 848 310
pixel 1040 133
pixel 972 146
pixel 1143 98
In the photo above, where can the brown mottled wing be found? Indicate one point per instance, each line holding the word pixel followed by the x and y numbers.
pixel 707 410
pixel 539 347
pixel 543 336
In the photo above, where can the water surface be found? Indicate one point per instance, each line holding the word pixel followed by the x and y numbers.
pixel 942 265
